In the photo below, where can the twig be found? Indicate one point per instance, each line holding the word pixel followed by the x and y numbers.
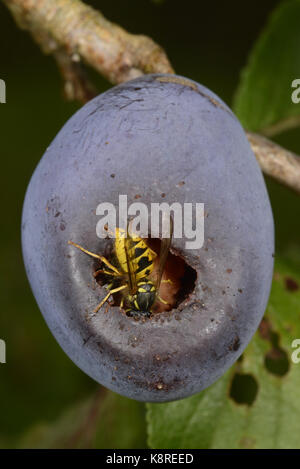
pixel 77 86
pixel 74 32
pixel 275 161
pixel 286 124
pixel 85 34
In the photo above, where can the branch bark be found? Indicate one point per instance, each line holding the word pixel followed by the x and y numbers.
pixel 84 33
pixel 74 32
pixel 275 161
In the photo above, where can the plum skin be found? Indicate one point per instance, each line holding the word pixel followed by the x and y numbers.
pixel 144 137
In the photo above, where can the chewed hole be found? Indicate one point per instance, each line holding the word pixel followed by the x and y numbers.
pixel 277 362
pixel 178 279
pixel 244 389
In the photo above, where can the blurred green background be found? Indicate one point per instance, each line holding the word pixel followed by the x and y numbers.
pixel 206 41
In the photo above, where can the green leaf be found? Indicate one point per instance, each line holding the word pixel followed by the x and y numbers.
pixel 105 420
pixel 256 404
pixel 264 98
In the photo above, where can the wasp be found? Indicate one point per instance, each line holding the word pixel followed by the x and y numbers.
pixel 132 275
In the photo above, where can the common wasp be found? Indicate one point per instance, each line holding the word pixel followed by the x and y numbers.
pixel 134 272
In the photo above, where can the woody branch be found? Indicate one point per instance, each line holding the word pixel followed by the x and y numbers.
pixel 75 33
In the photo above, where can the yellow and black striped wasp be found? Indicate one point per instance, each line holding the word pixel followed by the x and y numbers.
pixel 134 274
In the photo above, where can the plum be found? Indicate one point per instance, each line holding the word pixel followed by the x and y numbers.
pixel 158 138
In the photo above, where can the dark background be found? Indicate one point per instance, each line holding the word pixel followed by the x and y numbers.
pixel 206 41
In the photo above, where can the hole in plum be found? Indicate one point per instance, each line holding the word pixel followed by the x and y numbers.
pixel 178 279
pixel 243 389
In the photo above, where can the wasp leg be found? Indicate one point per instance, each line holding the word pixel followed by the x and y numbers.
pixel 158 297
pixel 115 290
pixel 122 303
pixel 103 259
pixel 161 300
pixel 106 272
